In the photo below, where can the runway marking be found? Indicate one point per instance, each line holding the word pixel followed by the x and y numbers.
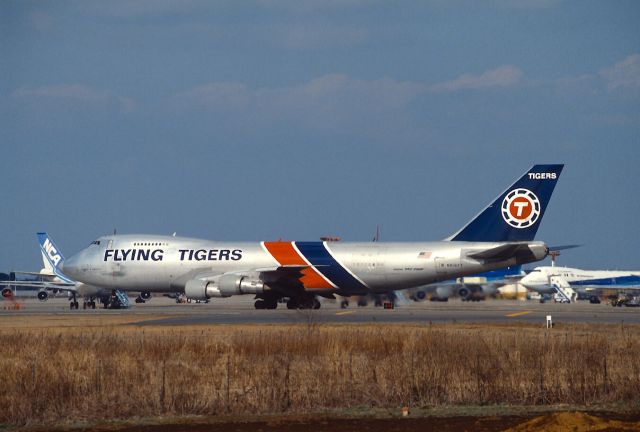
pixel 515 314
pixel 344 313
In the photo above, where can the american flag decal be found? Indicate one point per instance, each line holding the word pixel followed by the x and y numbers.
pixel 424 255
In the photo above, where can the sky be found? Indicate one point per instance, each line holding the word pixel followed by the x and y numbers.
pixel 265 119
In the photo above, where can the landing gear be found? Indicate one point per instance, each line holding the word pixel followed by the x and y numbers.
pixel 310 302
pixel 344 304
pixel 139 299
pixel 266 303
pixel 73 304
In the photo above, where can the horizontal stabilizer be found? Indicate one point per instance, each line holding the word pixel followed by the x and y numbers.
pixel 563 247
pixel 501 252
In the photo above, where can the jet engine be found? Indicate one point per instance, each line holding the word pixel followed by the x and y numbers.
pixel 419 296
pixel 43 296
pixel 442 293
pixel 7 293
pixel 223 286
pixel 464 292
pixel 474 292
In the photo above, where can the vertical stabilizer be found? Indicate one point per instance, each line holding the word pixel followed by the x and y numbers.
pixel 515 214
pixel 52 258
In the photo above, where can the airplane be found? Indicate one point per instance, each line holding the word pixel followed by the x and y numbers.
pixel 51 278
pixel 469 288
pixel 586 283
pixel 499 236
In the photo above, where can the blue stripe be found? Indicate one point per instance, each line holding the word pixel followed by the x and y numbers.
pixel 318 255
pixel 631 280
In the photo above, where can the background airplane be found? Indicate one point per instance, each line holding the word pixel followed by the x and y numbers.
pixel 570 283
pixel 52 279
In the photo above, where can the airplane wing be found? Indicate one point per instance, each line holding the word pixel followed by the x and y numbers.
pixel 62 286
pixel 284 279
pixel 33 273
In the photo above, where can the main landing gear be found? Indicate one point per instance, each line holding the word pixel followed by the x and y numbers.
pixel 310 302
pixel 265 304
pixel 73 304
pixel 306 302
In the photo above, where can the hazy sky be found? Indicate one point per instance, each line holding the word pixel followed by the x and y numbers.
pixel 259 120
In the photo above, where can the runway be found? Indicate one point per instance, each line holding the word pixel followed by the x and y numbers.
pixel 162 311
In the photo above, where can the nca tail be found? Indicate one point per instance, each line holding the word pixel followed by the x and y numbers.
pixel 52 258
pixel 515 215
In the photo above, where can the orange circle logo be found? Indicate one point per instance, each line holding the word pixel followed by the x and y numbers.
pixel 520 208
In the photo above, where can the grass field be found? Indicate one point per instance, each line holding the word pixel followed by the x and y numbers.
pixel 64 370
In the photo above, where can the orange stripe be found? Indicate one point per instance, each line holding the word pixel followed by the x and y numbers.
pixel 285 254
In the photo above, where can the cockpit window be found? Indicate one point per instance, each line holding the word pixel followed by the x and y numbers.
pixel 96 242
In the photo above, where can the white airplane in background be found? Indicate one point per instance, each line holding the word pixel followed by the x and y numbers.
pixel 51 279
pixel 499 236
pixel 563 280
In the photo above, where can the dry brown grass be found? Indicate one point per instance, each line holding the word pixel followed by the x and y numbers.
pixel 122 371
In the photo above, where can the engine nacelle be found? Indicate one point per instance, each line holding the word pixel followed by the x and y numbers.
pixel 223 286
pixel 442 293
pixel 43 296
pixel 145 295
pixel 464 292
pixel 7 293
pixel 419 296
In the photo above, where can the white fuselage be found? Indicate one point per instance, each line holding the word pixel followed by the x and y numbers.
pixel 166 264
pixel 541 279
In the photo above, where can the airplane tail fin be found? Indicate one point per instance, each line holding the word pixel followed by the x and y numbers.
pixel 515 214
pixel 52 258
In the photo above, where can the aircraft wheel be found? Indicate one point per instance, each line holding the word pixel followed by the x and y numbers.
pixel 259 304
pixel 71 305
pixel 93 305
pixel 316 304
pixel 271 304
pixel 292 304
pixel 84 305
pixel 344 304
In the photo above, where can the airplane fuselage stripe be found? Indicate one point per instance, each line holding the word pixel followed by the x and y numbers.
pixel 286 254
pixel 318 255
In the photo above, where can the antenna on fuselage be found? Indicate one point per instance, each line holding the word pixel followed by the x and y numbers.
pixel 376 238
